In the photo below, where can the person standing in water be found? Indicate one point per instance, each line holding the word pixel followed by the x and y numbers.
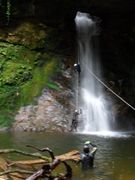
pixel 88 155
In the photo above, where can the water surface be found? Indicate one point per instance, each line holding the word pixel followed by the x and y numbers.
pixel 115 158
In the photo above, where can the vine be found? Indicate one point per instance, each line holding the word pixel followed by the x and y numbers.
pixel 8 11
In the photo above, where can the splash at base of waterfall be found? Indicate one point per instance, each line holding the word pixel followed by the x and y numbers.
pixel 107 134
pixel 94 114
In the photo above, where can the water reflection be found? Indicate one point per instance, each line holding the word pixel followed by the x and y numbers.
pixel 115 158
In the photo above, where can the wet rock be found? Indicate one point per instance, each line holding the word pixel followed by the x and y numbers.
pixel 47 115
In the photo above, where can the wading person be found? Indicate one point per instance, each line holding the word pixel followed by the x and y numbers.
pixel 88 155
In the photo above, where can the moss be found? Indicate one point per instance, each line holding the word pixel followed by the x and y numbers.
pixel 23 75
pixel 8 99
pixel 5 121
pixel 41 77
pixel 53 85
pixel 15 73
pixel 27 65
pixel 17 53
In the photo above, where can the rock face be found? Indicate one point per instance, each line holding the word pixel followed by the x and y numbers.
pixel 47 115
pixel 52 112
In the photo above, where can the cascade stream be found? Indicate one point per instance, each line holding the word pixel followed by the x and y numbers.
pixel 90 98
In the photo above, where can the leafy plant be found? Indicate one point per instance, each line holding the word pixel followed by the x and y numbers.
pixel 21 74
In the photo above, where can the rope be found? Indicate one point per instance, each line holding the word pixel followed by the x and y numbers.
pixel 110 89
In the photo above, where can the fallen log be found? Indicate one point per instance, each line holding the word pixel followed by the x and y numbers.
pixel 72 155
pixel 46 172
pixel 39 162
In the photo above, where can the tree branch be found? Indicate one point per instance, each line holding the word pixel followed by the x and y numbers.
pixel 15 171
pixel 43 150
pixel 37 155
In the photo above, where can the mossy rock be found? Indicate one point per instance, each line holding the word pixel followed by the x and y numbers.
pixel 27 34
pixel 17 53
pixel 25 67
pixel 15 73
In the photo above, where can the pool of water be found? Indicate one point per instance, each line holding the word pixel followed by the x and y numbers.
pixel 114 160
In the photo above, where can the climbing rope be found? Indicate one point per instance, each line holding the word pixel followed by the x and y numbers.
pixel 110 89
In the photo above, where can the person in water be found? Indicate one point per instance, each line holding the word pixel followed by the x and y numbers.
pixel 74 123
pixel 88 155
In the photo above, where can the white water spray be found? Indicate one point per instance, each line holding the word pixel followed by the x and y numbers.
pixel 91 100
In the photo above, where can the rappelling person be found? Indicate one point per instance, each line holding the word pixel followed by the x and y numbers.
pixel 87 156
pixel 77 68
pixel 74 123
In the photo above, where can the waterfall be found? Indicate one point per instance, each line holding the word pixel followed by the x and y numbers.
pixel 94 117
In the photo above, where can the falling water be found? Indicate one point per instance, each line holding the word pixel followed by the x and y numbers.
pixel 90 96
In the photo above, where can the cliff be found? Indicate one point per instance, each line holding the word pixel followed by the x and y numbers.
pixel 38 38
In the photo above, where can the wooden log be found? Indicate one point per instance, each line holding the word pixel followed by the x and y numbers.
pixel 72 155
pixel 45 170
pixel 27 165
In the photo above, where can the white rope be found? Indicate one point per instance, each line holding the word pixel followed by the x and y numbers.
pixel 110 89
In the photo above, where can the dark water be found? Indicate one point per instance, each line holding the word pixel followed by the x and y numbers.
pixel 115 158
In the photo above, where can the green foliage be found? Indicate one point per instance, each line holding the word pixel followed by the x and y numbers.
pixel 15 64
pixel 5 120
pixel 52 85
pixel 24 73
pixel 15 74
pixel 1 65
pixel 8 99
pixel 17 53
pixel 41 77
